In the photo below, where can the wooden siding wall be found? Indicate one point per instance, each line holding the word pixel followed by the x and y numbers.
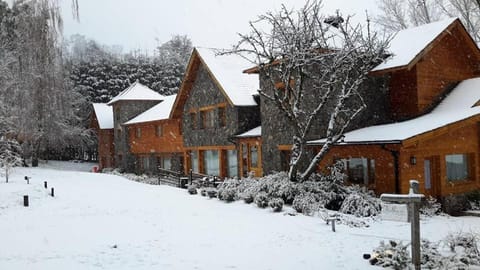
pixel 106 149
pixel 171 140
pixel 456 139
pixel 384 163
pixel 403 98
pixel 450 61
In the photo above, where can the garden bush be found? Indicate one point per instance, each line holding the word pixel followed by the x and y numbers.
pixel 192 189
pixel 361 203
pixel 276 204
pixel 261 199
pixel 306 203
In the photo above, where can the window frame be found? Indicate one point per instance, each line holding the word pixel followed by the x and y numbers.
pixel 468 170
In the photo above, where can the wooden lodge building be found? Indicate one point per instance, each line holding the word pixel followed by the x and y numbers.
pixel 422 120
pixel 102 123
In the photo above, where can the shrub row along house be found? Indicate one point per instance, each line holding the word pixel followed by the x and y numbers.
pixel 422 119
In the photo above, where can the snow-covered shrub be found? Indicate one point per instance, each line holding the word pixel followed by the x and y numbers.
pixel 430 257
pixel 228 195
pixel 430 207
pixel 248 189
pixel 192 189
pixel 474 199
pixel 394 255
pixel 306 203
pixel 203 192
pixel 279 186
pixel 465 247
pixel 261 199
pixel 227 191
pixel 211 192
pixel 455 204
pixel 361 203
pixel 276 204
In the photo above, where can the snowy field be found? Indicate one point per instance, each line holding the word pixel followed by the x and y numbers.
pixel 99 221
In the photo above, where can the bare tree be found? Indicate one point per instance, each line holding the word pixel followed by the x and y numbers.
pixel 401 14
pixel 315 69
pixel 44 106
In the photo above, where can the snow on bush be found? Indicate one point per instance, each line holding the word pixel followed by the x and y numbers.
pixel 279 186
pixel 306 203
pixel 276 204
pixel 211 192
pixel 192 189
pixel 393 255
pixel 430 207
pixel 463 253
pixel 474 199
pixel 228 190
pixel 261 199
pixel 361 203
pixel 465 247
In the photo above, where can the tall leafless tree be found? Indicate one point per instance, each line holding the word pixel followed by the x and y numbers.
pixel 401 14
pixel 319 67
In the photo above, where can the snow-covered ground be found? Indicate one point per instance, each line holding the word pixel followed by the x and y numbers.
pixel 101 221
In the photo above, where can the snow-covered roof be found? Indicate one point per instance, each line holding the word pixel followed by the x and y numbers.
pixel 228 71
pixel 409 43
pixel 137 91
pixel 158 112
pixel 256 132
pixel 104 115
pixel 457 106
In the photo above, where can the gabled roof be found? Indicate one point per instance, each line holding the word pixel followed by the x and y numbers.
pixel 226 71
pixel 409 45
pixel 457 106
pixel 137 91
pixel 255 132
pixel 104 114
pixel 158 112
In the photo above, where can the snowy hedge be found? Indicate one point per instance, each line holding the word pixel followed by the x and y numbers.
pixel 321 192
pixel 460 251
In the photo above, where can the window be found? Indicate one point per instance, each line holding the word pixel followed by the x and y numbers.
pixel 244 159
pixel 194 159
pixel 211 162
pixel 164 163
pixel 222 117
pixel 146 163
pixel 138 132
pixel 193 120
pixel 457 167
pixel 207 119
pixel 360 170
pixel 159 131
pixel 232 163
pixel 254 156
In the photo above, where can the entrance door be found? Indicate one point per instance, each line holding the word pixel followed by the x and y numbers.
pixel 431 176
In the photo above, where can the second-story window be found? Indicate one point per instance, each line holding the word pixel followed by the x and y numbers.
pixel 207 118
pixel 222 117
pixel 138 132
pixel 193 120
pixel 159 130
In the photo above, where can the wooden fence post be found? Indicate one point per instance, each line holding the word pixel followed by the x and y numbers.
pixel 52 192
pixel 45 184
pixel 25 200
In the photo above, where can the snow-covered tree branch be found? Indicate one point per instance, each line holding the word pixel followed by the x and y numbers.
pixel 396 15
pixel 313 67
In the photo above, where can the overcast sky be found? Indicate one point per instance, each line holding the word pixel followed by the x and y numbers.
pixel 137 24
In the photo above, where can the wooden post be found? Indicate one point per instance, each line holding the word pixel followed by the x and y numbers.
pixel 27 179
pixel 25 200
pixel 413 200
pixel 45 184
pixel 52 192
pixel 190 176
